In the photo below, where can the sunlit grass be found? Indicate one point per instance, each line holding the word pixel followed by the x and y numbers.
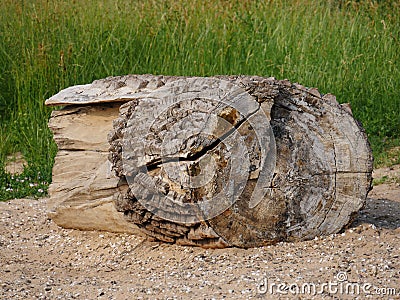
pixel 348 48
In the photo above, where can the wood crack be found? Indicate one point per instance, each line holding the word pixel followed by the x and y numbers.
pixel 194 157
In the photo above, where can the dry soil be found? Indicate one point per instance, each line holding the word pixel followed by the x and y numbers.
pixel 39 260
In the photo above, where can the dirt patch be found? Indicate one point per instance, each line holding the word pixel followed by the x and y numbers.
pixel 41 260
pixel 387 175
pixel 15 163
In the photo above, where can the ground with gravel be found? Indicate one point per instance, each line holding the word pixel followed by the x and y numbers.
pixel 39 260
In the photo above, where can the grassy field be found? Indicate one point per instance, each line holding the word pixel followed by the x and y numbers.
pixel 348 48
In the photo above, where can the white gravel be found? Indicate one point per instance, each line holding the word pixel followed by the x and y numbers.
pixel 39 260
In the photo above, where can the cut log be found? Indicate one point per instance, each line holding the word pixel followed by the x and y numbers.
pixel 221 161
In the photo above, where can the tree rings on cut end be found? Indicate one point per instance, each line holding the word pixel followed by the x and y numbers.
pixel 238 161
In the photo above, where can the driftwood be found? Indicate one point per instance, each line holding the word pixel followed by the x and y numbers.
pixel 221 161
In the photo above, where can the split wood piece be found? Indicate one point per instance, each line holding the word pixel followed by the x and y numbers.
pixel 83 186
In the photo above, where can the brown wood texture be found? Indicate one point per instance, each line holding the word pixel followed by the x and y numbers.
pixel 83 185
pixel 221 161
pixel 320 180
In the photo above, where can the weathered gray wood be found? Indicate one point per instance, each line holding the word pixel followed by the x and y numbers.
pixel 207 137
pixel 321 177
pixel 110 89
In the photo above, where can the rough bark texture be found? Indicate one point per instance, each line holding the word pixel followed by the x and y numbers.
pixel 203 146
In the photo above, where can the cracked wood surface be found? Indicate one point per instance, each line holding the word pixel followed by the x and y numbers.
pixel 203 148
pixel 321 178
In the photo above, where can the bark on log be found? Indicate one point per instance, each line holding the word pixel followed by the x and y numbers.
pixel 195 158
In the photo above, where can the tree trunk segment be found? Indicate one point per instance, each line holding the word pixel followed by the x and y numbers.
pixel 237 161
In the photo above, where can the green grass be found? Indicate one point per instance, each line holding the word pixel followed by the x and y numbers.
pixel 29 183
pixel 348 48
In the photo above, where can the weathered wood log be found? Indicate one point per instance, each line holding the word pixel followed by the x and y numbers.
pixel 220 161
